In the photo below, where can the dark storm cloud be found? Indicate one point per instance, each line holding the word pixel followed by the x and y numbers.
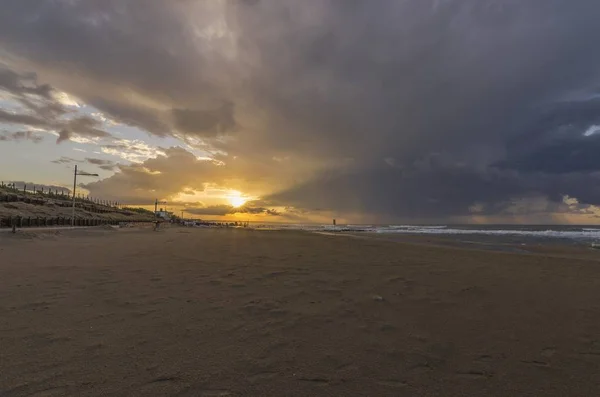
pixel 432 192
pixel 205 122
pixel 484 88
pixel 128 52
pixel 413 109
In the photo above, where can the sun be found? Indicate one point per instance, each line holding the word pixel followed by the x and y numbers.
pixel 236 201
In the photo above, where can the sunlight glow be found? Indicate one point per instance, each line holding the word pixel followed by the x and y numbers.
pixel 237 201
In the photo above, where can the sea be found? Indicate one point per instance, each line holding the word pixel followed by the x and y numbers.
pixel 575 234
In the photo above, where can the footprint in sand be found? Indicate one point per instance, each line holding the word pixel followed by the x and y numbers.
pixel 392 383
pixel 536 363
pixel 315 381
pixel 548 352
pixel 205 393
pixel 50 392
pixel 261 376
pixel 475 375
pixel 484 358
pixel 162 379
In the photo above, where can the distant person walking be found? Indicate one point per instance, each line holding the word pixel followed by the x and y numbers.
pixel 156 225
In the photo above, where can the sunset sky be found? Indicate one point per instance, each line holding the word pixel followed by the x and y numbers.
pixel 413 111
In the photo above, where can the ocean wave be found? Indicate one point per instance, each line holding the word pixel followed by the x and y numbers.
pixel 577 234
pixel 571 234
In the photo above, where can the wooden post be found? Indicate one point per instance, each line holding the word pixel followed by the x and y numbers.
pixel 74 190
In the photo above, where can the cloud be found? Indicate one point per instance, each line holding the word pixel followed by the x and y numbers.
pixel 21 136
pixel 215 210
pixel 43 107
pixel 24 119
pixel 66 160
pixel 106 165
pixel 98 161
pixel 19 85
pixel 135 151
pixel 81 126
pixel 223 210
pixel 411 110
pixel 160 177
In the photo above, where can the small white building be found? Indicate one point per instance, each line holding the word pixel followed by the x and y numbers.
pixel 163 214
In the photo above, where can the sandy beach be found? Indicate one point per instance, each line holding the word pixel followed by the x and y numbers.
pixel 192 312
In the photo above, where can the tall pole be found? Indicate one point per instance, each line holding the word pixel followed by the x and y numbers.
pixel 181 214
pixel 155 206
pixel 74 187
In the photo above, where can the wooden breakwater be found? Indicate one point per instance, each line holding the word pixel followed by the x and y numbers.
pixel 21 222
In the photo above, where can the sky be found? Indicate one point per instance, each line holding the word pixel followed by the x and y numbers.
pixel 412 111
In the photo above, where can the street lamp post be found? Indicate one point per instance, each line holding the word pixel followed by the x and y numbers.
pixel 82 173
pixel 156 203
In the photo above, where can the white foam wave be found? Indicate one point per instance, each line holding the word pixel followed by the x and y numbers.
pixel 413 227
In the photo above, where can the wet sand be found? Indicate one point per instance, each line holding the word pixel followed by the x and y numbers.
pixel 191 312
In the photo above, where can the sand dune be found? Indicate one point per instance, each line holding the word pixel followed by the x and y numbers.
pixel 189 312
